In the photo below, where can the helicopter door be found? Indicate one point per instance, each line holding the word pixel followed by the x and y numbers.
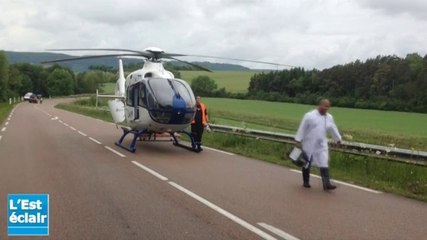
pixel 136 100
pixel 132 110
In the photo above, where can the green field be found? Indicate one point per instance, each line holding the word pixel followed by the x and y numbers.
pixel 232 81
pixel 107 88
pixel 380 127
pixel 400 129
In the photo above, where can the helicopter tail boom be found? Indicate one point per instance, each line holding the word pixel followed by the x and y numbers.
pixel 120 84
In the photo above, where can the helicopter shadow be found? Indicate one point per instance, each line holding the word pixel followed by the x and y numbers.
pixel 162 150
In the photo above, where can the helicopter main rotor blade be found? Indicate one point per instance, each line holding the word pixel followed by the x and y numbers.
pixel 242 60
pixel 160 55
pixel 191 64
pixel 89 57
pixel 169 55
pixel 142 53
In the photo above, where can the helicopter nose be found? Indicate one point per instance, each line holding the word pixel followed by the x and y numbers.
pixel 178 110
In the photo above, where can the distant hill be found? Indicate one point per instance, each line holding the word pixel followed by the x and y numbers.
pixel 215 66
pixel 83 65
pixel 77 66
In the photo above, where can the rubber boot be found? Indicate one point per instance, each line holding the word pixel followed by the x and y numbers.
pixel 325 179
pixel 306 177
pixel 199 147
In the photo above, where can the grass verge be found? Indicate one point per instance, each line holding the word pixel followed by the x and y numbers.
pixel 88 111
pixel 394 177
pixel 5 109
pixel 400 178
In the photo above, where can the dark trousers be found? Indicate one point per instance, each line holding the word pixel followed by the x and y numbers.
pixel 197 132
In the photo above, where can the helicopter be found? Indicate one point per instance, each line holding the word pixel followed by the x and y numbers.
pixel 150 101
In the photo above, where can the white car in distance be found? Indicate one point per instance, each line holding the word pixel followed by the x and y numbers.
pixel 27 96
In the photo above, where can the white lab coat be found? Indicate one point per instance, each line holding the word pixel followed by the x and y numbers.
pixel 312 133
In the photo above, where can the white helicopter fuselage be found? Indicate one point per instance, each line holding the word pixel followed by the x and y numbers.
pixel 153 100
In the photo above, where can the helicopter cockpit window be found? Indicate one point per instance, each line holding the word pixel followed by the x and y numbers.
pixel 161 95
pixel 143 95
pixel 162 92
pixel 185 94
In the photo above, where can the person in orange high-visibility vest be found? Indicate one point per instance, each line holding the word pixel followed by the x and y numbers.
pixel 200 121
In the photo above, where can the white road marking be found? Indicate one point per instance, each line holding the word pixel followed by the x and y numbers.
pixel 73 128
pixel 116 152
pixel 8 119
pixel 358 187
pixel 225 213
pixel 82 133
pixel 278 232
pixel 154 173
pixel 66 124
pixel 60 121
pixel 54 118
pixel 94 140
pixel 0 137
pixel 6 123
pixel 220 151
pixel 3 129
pixel 344 183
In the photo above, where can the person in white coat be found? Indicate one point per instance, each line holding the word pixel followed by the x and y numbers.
pixel 312 138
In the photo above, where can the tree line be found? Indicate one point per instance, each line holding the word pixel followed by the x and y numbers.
pixel 384 82
pixel 20 78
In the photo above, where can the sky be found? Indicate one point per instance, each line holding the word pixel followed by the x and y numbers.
pixel 306 33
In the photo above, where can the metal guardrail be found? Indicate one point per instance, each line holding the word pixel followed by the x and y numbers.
pixel 364 149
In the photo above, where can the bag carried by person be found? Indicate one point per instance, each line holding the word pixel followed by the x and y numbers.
pixel 298 156
pixel 208 128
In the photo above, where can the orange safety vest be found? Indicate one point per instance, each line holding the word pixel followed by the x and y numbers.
pixel 203 109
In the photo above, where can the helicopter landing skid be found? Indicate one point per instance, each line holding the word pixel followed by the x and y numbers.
pixel 178 144
pixel 132 146
pixel 138 133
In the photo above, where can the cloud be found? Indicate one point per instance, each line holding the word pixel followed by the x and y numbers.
pixel 414 8
pixel 308 33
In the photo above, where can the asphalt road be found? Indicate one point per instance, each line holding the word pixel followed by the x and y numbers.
pixel 100 191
